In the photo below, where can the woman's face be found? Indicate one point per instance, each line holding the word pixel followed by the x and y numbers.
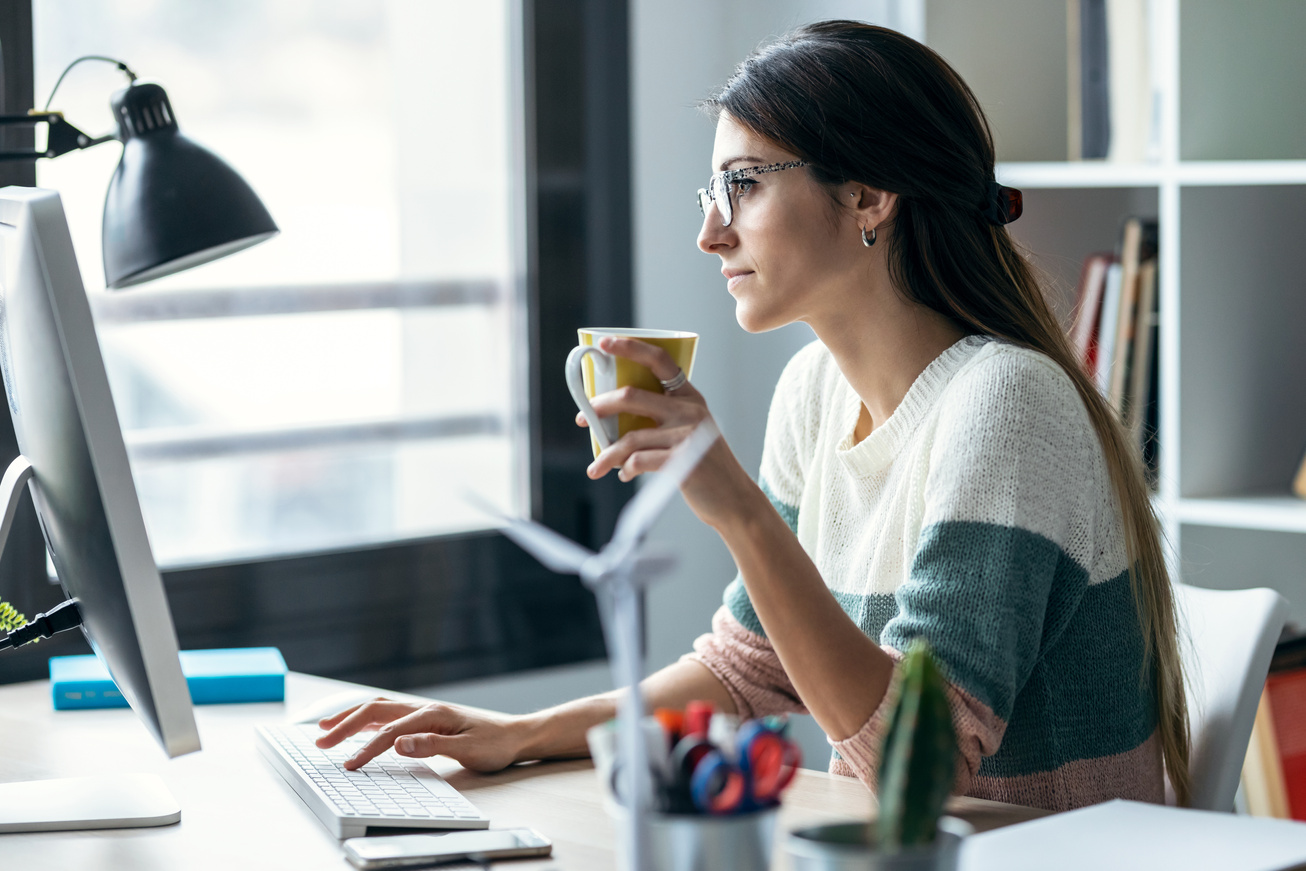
pixel 789 252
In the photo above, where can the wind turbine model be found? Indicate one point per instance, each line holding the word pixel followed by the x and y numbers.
pixel 617 575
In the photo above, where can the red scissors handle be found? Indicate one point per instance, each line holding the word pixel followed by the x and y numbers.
pixel 772 762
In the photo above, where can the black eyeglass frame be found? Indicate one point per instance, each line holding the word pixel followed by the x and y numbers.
pixel 718 187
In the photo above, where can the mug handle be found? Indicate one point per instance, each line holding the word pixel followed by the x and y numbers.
pixel 604 366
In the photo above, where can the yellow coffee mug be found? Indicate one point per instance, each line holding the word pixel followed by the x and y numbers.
pixel 591 371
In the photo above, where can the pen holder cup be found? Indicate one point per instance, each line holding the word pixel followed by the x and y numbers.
pixel 693 842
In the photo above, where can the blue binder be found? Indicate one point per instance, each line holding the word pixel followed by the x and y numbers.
pixel 250 674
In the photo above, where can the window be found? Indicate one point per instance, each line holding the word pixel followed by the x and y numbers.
pixel 345 383
pixel 418 611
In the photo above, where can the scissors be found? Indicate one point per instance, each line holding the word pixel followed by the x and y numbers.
pixel 766 762
pixel 685 758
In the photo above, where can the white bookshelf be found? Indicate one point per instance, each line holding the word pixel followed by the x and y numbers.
pixel 1272 512
pixel 1229 192
pixel 1193 173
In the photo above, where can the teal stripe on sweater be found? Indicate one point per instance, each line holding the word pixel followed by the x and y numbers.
pixel 741 607
pixel 736 597
pixel 1086 697
pixel 789 513
pixel 871 613
pixel 979 592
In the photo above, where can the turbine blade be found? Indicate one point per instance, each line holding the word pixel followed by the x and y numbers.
pixel 555 552
pixel 642 512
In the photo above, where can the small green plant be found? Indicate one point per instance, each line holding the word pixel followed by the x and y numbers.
pixel 10 619
pixel 919 757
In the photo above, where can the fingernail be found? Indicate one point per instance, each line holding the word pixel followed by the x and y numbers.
pixel 591 470
pixel 406 745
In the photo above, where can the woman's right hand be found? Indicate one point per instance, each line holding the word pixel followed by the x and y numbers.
pixel 719 491
pixel 477 740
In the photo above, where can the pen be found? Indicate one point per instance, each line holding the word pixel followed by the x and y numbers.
pixel 698 717
pixel 673 723
pixel 722 731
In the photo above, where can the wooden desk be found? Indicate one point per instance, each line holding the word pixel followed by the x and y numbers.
pixel 238 813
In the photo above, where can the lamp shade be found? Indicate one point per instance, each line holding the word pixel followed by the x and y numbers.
pixel 172 204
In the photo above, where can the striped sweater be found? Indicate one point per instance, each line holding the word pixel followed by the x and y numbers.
pixel 981 516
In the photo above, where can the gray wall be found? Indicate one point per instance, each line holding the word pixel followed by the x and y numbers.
pixel 682 51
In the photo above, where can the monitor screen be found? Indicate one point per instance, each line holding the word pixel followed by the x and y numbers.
pixel 82 486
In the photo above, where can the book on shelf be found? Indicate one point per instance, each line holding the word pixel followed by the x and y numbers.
pixel 1120 349
pixel 1138 391
pixel 1088 308
pixel 1089 132
pixel 1151 407
pixel 1262 778
pixel 1113 97
pixel 1274 771
pixel 1106 331
pixel 1116 328
pixel 1134 249
pixel 1131 244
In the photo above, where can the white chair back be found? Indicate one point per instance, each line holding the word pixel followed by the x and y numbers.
pixel 1230 638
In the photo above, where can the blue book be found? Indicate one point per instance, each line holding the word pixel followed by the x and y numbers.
pixel 250 674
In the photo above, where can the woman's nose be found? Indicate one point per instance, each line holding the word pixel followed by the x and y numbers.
pixel 712 236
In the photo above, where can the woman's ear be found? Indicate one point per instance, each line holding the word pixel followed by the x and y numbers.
pixel 871 207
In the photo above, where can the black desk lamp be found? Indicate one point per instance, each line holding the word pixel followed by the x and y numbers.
pixel 172 204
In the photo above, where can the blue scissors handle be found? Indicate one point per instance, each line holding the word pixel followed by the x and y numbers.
pixel 717 786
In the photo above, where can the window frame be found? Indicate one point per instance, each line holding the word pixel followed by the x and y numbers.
pixel 455 607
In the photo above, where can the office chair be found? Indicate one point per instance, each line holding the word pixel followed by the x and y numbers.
pixel 1230 637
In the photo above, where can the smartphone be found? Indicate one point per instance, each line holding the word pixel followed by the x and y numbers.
pixel 414 851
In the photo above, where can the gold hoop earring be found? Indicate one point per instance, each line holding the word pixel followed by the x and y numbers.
pixel 868 242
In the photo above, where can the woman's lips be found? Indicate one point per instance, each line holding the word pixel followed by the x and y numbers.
pixel 733 279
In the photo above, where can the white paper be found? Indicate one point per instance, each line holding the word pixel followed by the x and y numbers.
pixel 1122 835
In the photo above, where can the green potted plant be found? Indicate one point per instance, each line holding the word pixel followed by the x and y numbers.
pixel 917 768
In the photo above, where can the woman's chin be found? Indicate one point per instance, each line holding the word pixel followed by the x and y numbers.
pixel 755 321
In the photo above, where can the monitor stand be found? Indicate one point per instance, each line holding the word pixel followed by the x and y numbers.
pixel 115 801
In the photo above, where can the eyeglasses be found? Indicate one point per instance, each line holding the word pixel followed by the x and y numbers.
pixel 724 185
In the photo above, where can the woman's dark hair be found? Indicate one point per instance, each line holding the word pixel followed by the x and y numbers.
pixel 866 104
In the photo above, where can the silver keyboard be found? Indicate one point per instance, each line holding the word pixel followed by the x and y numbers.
pixel 390 790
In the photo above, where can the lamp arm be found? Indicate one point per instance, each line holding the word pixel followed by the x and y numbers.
pixel 62 137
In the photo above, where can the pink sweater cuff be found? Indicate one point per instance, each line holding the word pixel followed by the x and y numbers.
pixel 979 732
pixel 748 667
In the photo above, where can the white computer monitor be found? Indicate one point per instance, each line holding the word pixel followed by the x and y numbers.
pixel 82 487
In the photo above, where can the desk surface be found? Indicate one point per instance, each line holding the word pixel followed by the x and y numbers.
pixel 238 813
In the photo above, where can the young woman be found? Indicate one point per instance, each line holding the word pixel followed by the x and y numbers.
pixel 935 465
